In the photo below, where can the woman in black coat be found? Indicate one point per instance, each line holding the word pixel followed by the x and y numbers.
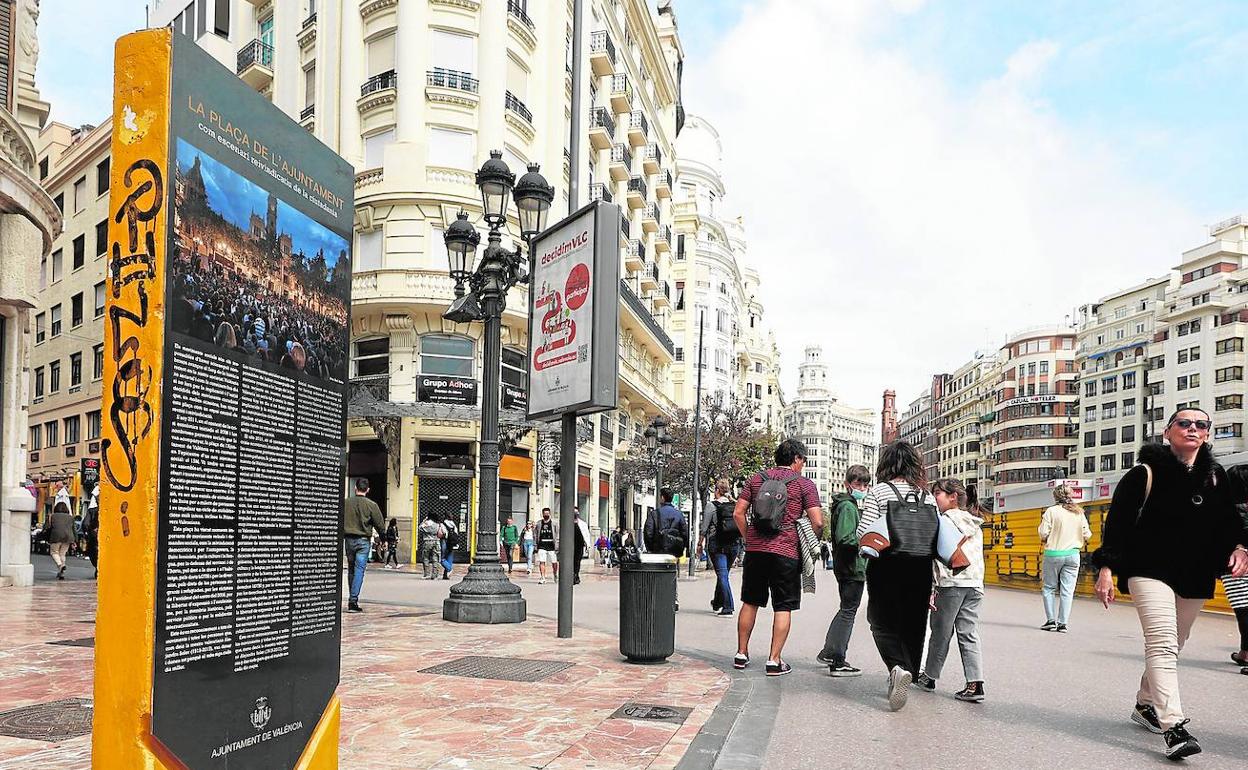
pixel 1171 531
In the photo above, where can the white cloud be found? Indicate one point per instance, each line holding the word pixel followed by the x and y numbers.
pixel 902 222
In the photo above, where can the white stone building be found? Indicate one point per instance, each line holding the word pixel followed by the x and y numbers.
pixel 416 94
pixel 29 221
pixel 836 435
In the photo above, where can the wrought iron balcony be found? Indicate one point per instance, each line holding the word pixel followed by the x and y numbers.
pixel 601 192
pixel 638 308
pixel 652 158
pixel 255 52
pixel 636 192
pixel 387 79
pixel 638 128
pixel 625 227
pixel 445 78
pixel 601 53
pixel 621 93
pixel 515 8
pixel 517 106
pixel 663 184
pixel 601 128
pixel 309 21
pixel 307 112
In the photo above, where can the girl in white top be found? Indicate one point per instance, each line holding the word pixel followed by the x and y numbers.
pixel 1064 531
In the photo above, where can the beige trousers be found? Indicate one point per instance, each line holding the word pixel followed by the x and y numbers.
pixel 1166 620
pixel 58 551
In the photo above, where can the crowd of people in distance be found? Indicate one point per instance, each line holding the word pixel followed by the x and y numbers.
pixel 236 313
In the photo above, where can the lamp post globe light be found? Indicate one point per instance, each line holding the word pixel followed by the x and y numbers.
pixel 660 446
pixel 485 595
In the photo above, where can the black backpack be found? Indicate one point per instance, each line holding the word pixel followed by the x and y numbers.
pixel 770 503
pixel 725 525
pixel 913 524
pixel 452 537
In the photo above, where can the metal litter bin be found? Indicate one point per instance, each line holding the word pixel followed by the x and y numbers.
pixel 648 609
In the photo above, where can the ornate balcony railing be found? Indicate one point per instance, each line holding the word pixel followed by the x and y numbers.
pixel 600 192
pixel 387 79
pixel 309 21
pixel 600 117
pixel 637 120
pixel 625 227
pixel 255 52
pixel 641 311
pixel 517 106
pixel 621 154
pixel 600 42
pixel 653 153
pixel 307 112
pixel 637 184
pixel 652 211
pixel 445 78
pixel 515 8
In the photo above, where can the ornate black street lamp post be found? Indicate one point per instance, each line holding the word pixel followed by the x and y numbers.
pixel 485 595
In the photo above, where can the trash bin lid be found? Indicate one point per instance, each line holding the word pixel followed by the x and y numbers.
pixel 657 558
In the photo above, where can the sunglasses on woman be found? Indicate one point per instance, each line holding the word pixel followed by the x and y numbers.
pixel 1185 424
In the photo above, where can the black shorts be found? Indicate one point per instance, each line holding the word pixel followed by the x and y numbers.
pixel 767 573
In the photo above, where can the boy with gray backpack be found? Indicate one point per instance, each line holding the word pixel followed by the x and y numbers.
pixel 774 500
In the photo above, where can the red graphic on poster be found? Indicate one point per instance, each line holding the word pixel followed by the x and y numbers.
pixel 577 290
pixel 558 328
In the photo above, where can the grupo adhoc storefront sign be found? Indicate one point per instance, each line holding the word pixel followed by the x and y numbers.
pixel 574 314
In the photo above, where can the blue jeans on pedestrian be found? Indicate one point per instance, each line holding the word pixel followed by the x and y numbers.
pixel 448 558
pixel 1060 575
pixel 723 589
pixel 356 549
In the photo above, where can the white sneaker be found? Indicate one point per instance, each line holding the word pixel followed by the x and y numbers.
pixel 898 688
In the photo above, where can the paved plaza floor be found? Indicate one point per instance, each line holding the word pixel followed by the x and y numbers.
pixel 1053 700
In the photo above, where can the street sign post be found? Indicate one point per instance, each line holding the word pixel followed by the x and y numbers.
pixel 225 367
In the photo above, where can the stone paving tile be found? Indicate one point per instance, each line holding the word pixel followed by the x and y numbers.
pixel 393 716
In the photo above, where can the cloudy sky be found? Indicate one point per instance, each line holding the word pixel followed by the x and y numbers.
pixel 918 178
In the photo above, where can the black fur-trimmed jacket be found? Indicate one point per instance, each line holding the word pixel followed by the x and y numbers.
pixel 1183 534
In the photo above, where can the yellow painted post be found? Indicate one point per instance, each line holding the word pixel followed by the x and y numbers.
pixel 415 520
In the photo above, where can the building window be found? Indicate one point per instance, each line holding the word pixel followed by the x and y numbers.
pixel 59 200
pixel 1109 384
pixel 1089 465
pixel 97 362
pixel 1193 353
pixel 1044 367
pixel 54 377
pixel 75 310
pixel 36 437
pixel 442 354
pixel 1089 439
pixel 80 195
pixel 72 428
pixel 1227 374
pixel 58 263
pixel 375 148
pixel 1109 436
pixel 101 238
pixel 1234 430
pixel 75 369
pixel 515 368
pixel 1128 434
pixel 680 353
pixel 368 251
pixel 1108 462
pixel 41 327
pixel 1128 407
pixel 39 382
pixel 93 425
pixel 1230 345
pixel 52 432
pixel 1233 401
pixel 101 176
pixel 99 299
pixel 56 320
pixel 1089 388
pixel 451 149
pixel 1181 356
pixel 80 252
pixel 1128 380
pixel 371 357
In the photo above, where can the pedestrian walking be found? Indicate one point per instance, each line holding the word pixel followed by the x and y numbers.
pixel 580 545
pixel 91 526
pixel 718 541
pixel 360 517
pixel 957 598
pixel 429 541
pixel 526 543
pixel 602 546
pixel 849 566
pixel 1237 587
pixel 1064 531
pixel 547 539
pixel 774 500
pixel 450 541
pixel 667 531
pixel 61 536
pixel 1171 531
pixel 392 544
pixel 899 579
pixel 511 537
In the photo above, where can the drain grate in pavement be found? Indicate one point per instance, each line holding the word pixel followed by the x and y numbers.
pixel 504 669
pixel 652 713
pixel 55 721
pixel 86 641
pixel 411 614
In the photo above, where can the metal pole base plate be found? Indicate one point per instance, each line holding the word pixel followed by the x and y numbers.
pixel 485 595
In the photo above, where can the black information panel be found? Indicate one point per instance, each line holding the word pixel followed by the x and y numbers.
pixel 248 623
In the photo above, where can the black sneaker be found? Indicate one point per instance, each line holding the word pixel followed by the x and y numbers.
pixel 1049 625
pixel 1146 716
pixel 1061 628
pixel 740 661
pixel 972 693
pixel 724 613
pixel 843 669
pixel 898 688
pixel 1237 660
pixel 925 682
pixel 779 668
pixel 1179 742
pixel 826 660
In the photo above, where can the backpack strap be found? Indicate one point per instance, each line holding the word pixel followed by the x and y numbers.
pixel 1148 488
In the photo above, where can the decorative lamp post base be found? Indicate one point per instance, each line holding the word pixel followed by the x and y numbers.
pixel 485 595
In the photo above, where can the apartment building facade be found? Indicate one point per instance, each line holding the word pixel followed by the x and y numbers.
pixel 963 432
pixel 415 95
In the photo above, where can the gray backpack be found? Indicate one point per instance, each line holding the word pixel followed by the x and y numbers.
pixel 768 509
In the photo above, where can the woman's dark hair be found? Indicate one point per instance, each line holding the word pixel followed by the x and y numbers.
pixel 952 487
pixel 1237 475
pixel 1175 415
pixel 900 460
pixel 789 450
